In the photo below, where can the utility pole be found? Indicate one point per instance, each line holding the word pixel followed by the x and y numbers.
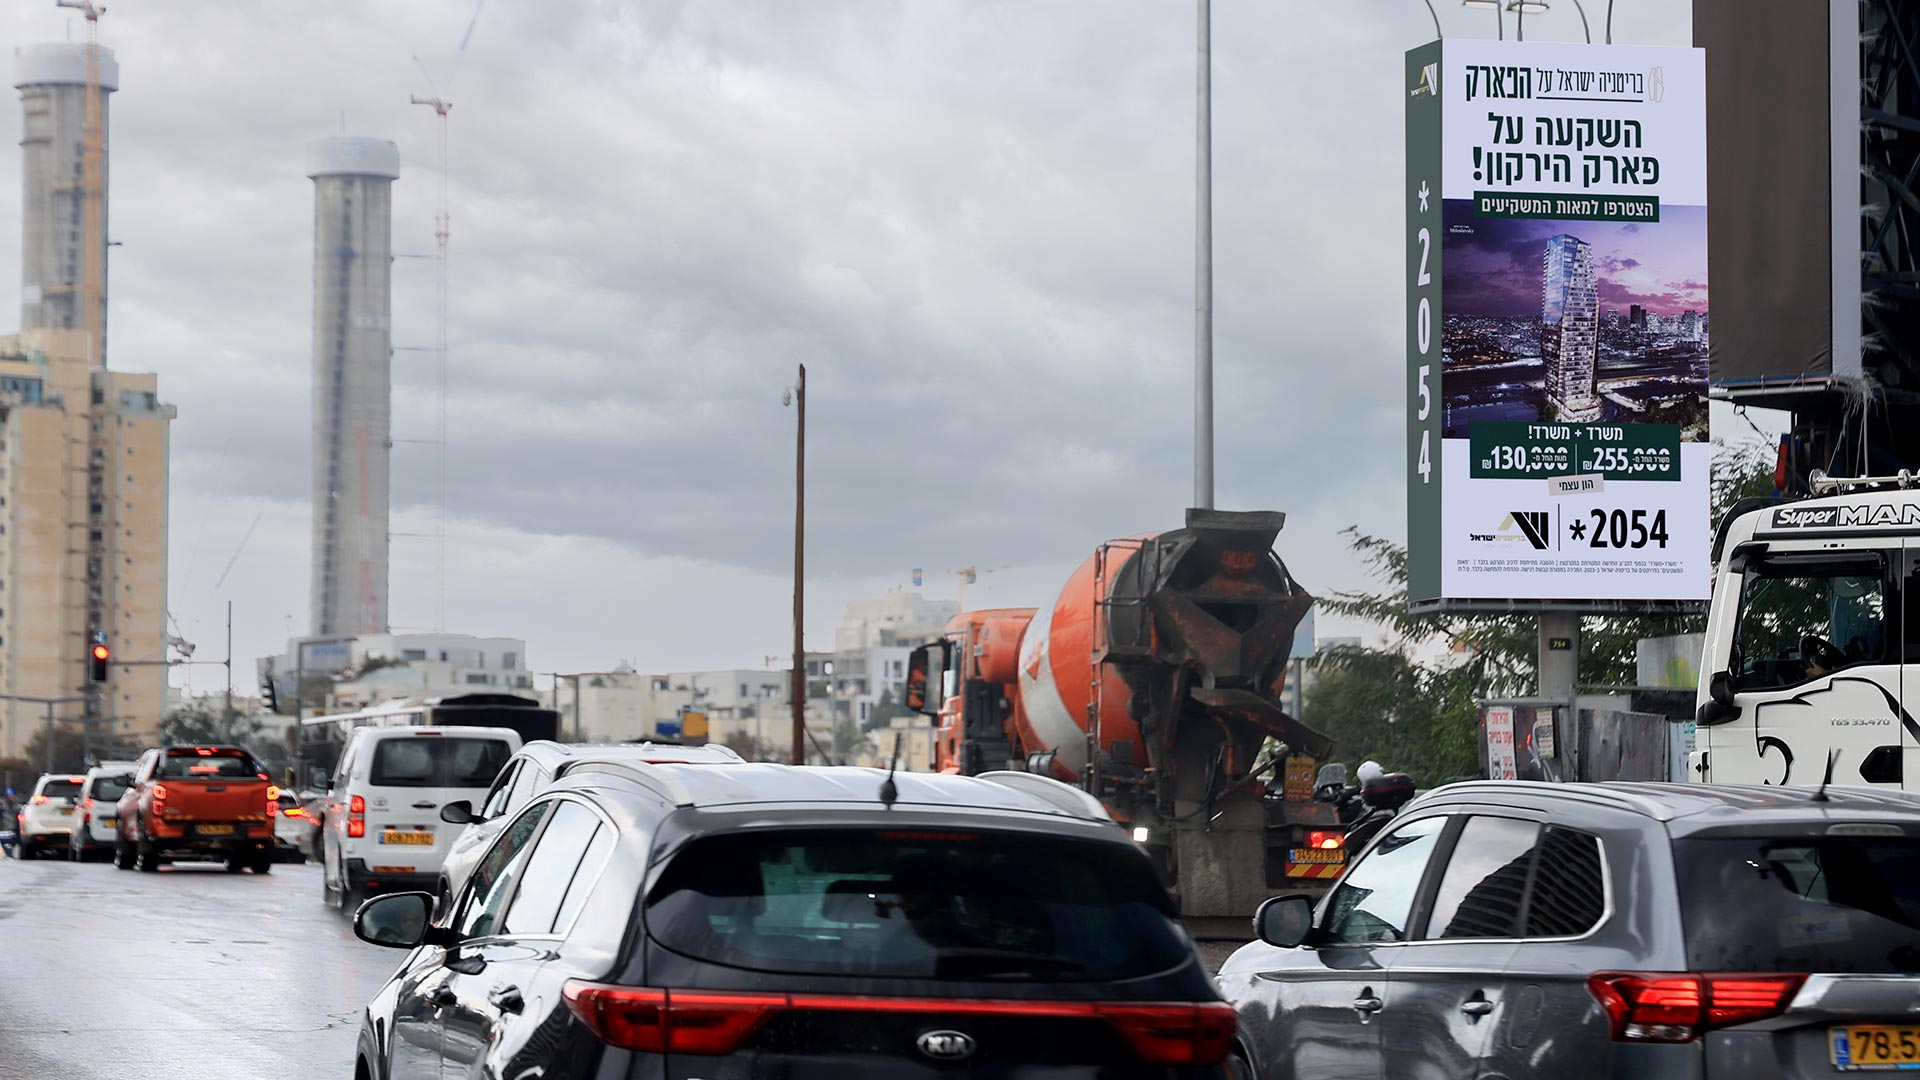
pixel 799 580
pixel 227 715
pixel 1203 269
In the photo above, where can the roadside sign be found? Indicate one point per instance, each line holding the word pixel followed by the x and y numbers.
pixel 1557 323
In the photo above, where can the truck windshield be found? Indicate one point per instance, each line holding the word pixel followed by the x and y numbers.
pixel 1803 618
pixel 1801 903
pixel 914 903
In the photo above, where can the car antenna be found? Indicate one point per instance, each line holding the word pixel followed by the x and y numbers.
pixel 890 792
pixel 1833 755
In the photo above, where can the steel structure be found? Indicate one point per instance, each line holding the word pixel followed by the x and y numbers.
pixel 352 380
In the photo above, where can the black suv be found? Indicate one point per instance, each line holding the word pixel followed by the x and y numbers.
pixel 660 921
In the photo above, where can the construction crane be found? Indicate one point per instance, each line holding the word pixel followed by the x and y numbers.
pixel 441 230
pixel 92 196
pixel 967 575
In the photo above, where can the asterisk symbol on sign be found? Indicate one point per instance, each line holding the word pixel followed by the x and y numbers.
pixel 1578 529
pixel 1423 196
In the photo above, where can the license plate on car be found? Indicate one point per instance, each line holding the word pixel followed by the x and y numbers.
pixel 1316 855
pixel 213 830
pixel 109 822
pixel 1857 1047
pixel 391 837
pixel 66 811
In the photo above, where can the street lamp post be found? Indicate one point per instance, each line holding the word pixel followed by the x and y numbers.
pixel 1203 266
pixel 797 394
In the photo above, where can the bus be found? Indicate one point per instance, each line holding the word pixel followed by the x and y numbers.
pixel 323 737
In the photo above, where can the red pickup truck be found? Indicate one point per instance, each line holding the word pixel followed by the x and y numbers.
pixel 205 801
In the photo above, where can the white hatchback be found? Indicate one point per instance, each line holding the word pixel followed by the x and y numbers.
pixel 46 818
pixel 95 825
pixel 381 827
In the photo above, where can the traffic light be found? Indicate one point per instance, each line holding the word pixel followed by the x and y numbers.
pixel 269 695
pixel 97 657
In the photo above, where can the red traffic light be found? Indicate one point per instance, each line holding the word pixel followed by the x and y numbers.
pixel 101 652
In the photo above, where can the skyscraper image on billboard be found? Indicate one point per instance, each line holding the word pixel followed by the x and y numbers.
pixel 1575 321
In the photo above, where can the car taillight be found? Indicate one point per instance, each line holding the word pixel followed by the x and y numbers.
pixel 38 799
pixel 1326 840
pixel 356 817
pixel 1678 1007
pixel 707 1023
pixel 159 794
pixel 294 811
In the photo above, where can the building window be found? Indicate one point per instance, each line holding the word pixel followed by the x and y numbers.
pixel 510 660
pixel 405 654
pixel 474 678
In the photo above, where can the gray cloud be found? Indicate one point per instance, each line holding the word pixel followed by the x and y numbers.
pixel 972 221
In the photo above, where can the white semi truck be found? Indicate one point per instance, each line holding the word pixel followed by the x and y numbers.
pixel 1813 641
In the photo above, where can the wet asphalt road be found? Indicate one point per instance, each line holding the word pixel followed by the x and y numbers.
pixel 188 974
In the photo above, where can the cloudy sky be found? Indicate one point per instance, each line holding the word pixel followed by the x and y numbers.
pixel 972 221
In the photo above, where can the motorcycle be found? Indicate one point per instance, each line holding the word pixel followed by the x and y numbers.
pixel 1366 807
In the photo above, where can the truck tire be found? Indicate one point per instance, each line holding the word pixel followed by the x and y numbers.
pixel 122 852
pixel 148 856
pixel 263 861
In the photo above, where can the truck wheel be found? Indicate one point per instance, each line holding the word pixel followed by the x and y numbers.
pixel 235 863
pixel 148 859
pixel 263 861
pixel 122 852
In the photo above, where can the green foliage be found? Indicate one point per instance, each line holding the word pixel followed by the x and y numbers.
pixel 849 740
pixel 200 723
pixel 884 711
pixel 1411 702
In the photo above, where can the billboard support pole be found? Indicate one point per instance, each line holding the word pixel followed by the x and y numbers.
pixel 1203 267
pixel 1559 655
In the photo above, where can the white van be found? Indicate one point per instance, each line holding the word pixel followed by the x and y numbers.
pixel 382 827
pixel 1813 642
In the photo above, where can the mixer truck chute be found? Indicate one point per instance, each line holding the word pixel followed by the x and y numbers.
pixel 1151 679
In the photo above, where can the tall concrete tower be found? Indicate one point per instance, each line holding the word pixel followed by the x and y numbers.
pixel 52 80
pixel 352 380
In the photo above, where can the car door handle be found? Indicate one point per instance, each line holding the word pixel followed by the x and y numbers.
pixel 1368 1004
pixel 424 805
pixel 506 998
pixel 443 998
pixel 1477 1007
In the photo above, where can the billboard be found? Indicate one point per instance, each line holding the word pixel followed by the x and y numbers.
pixel 1557 323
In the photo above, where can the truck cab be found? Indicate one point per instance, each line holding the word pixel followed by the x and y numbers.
pixel 1813 642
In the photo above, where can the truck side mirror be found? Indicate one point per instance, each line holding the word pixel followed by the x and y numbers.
pixel 1719 706
pixel 926 669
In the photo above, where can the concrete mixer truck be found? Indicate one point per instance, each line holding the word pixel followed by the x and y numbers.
pixel 1153 679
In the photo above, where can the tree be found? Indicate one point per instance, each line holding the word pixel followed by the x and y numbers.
pixel 1420 715
pixel 69 749
pixel 849 740
pixel 884 711
pixel 748 747
pixel 201 723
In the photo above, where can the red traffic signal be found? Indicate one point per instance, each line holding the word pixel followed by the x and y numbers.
pixel 97 663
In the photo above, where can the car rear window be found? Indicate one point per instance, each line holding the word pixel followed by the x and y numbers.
pixel 61 789
pixel 438 761
pixel 218 765
pixel 110 787
pixel 1801 903
pixel 916 904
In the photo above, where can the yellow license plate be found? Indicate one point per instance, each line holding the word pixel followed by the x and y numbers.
pixel 213 830
pixel 1317 855
pixel 406 837
pixel 1874 1046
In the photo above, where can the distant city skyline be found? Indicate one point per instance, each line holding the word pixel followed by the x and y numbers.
pixel 1494 269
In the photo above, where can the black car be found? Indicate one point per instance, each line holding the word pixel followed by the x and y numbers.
pixel 664 921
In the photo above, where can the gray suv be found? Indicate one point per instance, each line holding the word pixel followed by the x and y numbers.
pixel 1600 930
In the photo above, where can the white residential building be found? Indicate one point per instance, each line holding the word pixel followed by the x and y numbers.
pixel 372 668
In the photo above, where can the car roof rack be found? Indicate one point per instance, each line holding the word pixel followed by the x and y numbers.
pixel 657 780
pixel 1067 798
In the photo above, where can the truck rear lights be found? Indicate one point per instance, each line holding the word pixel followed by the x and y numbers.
pixel 710 1023
pixel 1326 841
pixel 356 817
pixel 1678 1007
pixel 159 797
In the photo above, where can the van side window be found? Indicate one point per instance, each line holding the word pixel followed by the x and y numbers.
pixel 1803 617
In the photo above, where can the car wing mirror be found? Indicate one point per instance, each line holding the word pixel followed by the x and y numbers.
pixel 396 920
pixel 1285 922
pixel 1720 705
pixel 458 812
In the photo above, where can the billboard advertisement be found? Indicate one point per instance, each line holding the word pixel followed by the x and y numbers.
pixel 1557 323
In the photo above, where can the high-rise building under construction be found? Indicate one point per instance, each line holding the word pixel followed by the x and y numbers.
pixel 352 380
pixel 52 80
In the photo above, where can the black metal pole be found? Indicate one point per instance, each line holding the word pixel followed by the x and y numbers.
pixel 799 579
